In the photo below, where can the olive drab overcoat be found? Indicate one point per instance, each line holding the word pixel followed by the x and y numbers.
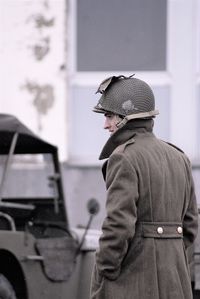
pixel 151 218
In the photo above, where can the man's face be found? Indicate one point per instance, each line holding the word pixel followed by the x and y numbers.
pixel 111 121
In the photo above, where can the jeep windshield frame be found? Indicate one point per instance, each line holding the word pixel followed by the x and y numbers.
pixel 17 139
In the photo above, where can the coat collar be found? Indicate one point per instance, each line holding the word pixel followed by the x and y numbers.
pixel 124 134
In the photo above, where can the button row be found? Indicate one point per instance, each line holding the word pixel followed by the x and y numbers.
pixel 160 230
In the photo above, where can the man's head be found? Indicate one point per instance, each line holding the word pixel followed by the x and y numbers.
pixel 127 97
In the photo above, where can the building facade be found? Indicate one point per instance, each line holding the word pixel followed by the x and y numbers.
pixel 53 55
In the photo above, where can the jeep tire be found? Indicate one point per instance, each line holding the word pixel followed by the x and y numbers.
pixel 6 289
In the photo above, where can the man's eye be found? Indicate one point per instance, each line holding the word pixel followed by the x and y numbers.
pixel 109 115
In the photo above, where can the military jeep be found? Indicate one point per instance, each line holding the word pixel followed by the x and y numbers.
pixel 39 256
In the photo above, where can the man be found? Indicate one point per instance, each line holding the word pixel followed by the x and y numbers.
pixel 151 207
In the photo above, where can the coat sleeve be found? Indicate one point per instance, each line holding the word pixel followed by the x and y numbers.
pixel 190 221
pixel 119 225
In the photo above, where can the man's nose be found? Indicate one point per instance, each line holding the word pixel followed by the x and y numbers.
pixel 106 124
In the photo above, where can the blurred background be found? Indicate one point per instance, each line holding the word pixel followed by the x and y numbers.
pixel 54 54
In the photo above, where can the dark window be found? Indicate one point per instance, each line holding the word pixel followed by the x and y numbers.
pixel 114 35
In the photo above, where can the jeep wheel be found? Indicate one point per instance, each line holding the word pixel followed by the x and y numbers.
pixel 6 289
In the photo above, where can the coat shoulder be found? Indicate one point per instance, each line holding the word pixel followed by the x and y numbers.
pixel 121 148
pixel 174 146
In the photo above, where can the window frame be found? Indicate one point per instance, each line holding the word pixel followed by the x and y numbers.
pixel 173 77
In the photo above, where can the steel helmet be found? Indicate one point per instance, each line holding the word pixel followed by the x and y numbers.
pixel 126 96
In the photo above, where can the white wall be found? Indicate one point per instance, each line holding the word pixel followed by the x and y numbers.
pixel 182 68
pixel 33 66
pixel 33 58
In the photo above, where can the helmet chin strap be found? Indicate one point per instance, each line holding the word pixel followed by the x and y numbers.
pixel 137 115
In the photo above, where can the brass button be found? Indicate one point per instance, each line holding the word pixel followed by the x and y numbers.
pixel 160 230
pixel 179 229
